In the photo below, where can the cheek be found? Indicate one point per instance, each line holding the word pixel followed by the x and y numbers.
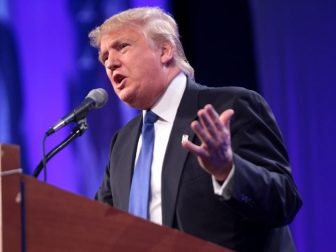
pixel 147 72
pixel 108 73
pixel 146 62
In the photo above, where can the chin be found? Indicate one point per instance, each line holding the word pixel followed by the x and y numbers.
pixel 135 102
pixel 127 98
pixel 129 101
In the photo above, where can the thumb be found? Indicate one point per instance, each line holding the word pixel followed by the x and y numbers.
pixel 226 116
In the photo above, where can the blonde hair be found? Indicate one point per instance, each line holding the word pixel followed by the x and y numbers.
pixel 157 25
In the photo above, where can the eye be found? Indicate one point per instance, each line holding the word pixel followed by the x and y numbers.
pixel 103 57
pixel 104 60
pixel 123 46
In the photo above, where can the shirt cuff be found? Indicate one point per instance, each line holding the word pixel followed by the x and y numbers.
pixel 223 189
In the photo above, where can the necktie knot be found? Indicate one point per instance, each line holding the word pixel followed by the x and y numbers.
pixel 150 117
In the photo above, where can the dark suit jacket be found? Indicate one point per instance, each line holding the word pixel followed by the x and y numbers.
pixel 263 199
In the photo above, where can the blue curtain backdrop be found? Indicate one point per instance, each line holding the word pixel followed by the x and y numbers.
pixel 47 67
pixel 296 57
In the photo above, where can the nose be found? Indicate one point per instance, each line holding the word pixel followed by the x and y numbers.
pixel 112 63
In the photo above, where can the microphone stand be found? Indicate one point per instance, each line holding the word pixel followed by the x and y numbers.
pixel 76 132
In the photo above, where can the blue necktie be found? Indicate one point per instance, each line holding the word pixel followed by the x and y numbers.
pixel 140 188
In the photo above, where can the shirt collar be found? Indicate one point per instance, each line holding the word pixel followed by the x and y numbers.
pixel 167 105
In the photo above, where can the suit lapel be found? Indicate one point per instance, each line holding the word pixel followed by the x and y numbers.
pixel 126 162
pixel 175 155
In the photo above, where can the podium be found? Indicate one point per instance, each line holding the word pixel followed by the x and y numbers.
pixel 35 216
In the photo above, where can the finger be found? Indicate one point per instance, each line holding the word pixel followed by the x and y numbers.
pixel 193 148
pixel 208 124
pixel 202 134
pixel 214 117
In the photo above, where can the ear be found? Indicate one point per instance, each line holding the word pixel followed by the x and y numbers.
pixel 167 53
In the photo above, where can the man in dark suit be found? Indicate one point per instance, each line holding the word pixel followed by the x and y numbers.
pixel 219 168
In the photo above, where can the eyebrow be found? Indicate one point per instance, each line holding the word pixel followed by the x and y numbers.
pixel 114 45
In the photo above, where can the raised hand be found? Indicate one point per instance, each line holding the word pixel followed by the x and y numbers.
pixel 214 154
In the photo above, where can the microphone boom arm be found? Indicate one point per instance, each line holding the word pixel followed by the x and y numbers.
pixel 76 132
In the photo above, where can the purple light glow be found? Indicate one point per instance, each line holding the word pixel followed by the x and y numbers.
pixel 164 4
pixel 45 41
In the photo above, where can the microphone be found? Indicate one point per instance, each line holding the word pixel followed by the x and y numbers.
pixel 95 99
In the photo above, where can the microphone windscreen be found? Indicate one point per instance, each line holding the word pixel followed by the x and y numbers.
pixel 99 96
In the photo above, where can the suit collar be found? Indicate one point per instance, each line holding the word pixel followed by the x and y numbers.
pixel 126 159
pixel 166 107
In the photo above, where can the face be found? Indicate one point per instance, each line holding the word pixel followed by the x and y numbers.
pixel 135 67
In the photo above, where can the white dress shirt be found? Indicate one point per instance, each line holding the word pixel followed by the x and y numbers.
pixel 166 108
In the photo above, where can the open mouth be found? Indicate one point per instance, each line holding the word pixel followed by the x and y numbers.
pixel 118 78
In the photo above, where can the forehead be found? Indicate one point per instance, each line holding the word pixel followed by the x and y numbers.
pixel 131 33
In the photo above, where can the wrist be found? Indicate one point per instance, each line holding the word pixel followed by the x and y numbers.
pixel 220 178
